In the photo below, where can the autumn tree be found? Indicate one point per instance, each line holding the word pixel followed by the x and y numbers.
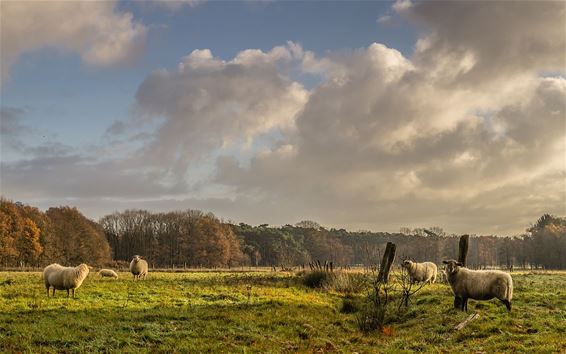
pixel 28 245
pixel 11 227
pixel 79 240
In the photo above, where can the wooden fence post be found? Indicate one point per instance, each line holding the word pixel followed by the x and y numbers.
pixel 462 257
pixel 463 249
pixel 387 260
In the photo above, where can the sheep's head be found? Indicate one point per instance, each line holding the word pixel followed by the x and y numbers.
pixel 84 268
pixel 452 266
pixel 407 263
pixel 136 258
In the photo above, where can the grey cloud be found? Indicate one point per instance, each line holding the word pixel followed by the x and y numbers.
pixel 117 128
pixel 10 119
pixel 500 37
pixel 74 176
pixel 14 130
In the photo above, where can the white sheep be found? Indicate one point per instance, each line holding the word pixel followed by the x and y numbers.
pixel 64 278
pixel 478 284
pixel 108 273
pixel 421 272
pixel 138 267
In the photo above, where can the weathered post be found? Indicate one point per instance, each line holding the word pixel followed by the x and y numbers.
pixel 386 261
pixel 462 257
pixel 463 249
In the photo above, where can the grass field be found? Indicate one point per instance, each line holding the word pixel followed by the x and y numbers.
pixel 265 312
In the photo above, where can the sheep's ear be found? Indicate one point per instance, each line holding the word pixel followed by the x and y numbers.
pixel 460 264
pixel 445 262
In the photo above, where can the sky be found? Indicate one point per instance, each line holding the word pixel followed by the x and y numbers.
pixel 355 114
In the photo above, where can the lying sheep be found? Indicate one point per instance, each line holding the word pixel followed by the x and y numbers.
pixel 64 278
pixel 108 273
pixel 138 267
pixel 425 272
pixel 478 284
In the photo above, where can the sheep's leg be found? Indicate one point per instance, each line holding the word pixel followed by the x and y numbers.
pixel 53 291
pixel 47 291
pixel 465 304
pixel 507 304
pixel 73 293
pixel 67 292
pixel 457 302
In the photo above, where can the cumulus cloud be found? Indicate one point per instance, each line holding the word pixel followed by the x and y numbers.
pixel 387 140
pixel 208 104
pixel 204 105
pixel 95 30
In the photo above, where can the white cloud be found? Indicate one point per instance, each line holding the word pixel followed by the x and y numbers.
pixel 384 19
pixel 209 104
pixel 94 29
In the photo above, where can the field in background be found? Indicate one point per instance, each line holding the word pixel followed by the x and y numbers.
pixel 245 312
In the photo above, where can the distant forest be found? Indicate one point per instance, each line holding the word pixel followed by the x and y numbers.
pixel 30 237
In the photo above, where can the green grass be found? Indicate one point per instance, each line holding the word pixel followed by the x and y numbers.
pixel 265 312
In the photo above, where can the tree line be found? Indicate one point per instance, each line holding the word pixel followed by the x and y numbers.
pixel 30 237
pixel 192 238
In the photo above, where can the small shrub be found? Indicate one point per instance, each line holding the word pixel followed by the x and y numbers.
pixel 315 279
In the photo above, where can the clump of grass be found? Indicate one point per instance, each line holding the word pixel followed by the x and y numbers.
pixel 370 318
pixel 349 305
pixel 346 283
pixel 315 279
pixel 7 282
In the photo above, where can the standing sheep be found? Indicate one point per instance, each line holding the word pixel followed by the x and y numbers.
pixel 425 272
pixel 479 284
pixel 108 273
pixel 64 278
pixel 138 267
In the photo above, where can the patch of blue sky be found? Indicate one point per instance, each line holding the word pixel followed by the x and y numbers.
pixel 228 27
pixel 553 74
pixel 490 123
pixel 64 97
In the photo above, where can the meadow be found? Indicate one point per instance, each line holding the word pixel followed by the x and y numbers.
pixel 266 312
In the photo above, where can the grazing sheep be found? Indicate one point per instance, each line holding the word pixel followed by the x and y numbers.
pixel 479 284
pixel 138 267
pixel 425 272
pixel 64 278
pixel 108 273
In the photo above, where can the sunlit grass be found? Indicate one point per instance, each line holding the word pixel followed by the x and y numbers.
pixel 265 312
